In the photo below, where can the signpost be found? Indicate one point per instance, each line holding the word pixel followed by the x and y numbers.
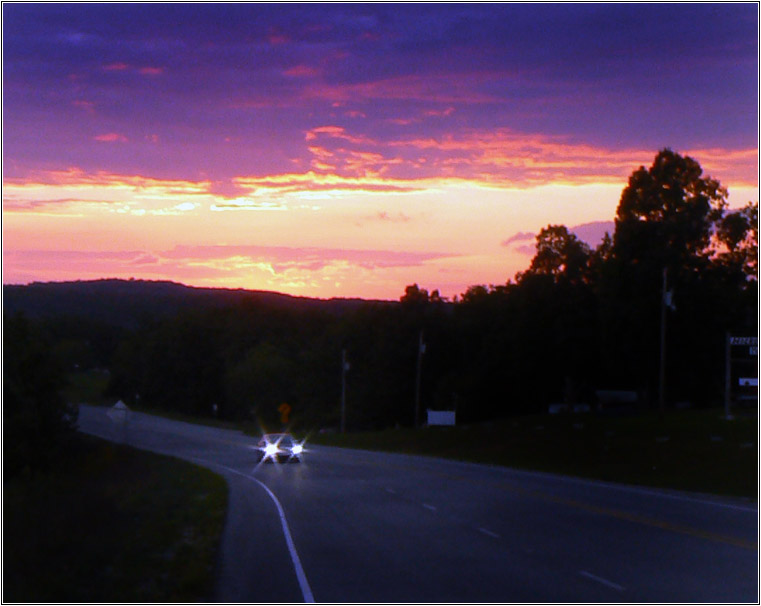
pixel 284 410
pixel 420 352
pixel 344 368
pixel 119 414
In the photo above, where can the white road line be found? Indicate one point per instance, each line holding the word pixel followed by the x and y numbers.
pixel 605 582
pixel 488 532
pixel 427 506
pixel 306 590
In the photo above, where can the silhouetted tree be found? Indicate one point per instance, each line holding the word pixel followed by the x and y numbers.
pixel 560 254
pixel 737 232
pixel 665 221
pixel 36 418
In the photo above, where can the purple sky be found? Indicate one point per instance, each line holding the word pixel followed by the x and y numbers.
pixel 255 103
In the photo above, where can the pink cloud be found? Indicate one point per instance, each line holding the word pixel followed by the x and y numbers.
pixel 403 121
pixel 151 71
pixel 115 67
pixel 590 233
pixel 87 106
pixel 439 113
pixel 207 264
pixel 729 165
pixel 275 37
pixel 302 71
pixel 304 257
pixel 593 233
pixel 111 138
pixel 13 203
pixel 74 176
pixel 399 217
pixel 521 236
pixel 337 132
pixel 457 88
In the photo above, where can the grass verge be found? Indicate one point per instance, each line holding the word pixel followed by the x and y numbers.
pixel 112 524
pixel 694 450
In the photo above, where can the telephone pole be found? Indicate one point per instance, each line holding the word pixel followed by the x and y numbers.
pixel 665 302
pixel 420 352
pixel 344 368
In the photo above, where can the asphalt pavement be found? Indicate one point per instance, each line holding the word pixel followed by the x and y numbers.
pixel 356 526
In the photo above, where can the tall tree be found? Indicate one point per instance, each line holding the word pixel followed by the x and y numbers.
pixel 737 234
pixel 664 222
pixel 666 214
pixel 36 418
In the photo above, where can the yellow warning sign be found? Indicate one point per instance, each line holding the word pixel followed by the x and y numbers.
pixel 284 410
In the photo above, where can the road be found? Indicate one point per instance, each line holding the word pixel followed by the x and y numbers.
pixel 356 526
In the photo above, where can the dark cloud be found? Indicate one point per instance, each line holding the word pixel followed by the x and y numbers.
pixel 194 75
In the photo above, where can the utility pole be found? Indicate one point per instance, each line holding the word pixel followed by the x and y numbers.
pixel 665 301
pixel 727 375
pixel 420 352
pixel 344 368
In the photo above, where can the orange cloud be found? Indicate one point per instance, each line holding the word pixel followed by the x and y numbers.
pixel 59 190
pixel 729 166
pixel 312 182
pixel 505 158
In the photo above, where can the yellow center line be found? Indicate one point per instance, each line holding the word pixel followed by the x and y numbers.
pixel 606 511
pixel 646 521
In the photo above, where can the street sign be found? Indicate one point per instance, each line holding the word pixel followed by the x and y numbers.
pixel 118 413
pixel 750 342
pixel 743 341
pixel 741 356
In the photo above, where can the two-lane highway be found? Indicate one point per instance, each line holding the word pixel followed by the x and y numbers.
pixel 355 526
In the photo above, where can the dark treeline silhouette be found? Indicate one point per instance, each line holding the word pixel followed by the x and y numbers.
pixel 576 321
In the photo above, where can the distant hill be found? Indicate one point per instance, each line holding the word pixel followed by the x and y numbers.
pixel 125 302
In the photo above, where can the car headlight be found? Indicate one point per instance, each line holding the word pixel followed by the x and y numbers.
pixel 270 450
pixel 297 449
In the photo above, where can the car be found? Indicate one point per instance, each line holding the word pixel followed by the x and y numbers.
pixel 279 448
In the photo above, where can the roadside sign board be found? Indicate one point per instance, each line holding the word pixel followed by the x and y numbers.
pixel 741 364
pixel 441 417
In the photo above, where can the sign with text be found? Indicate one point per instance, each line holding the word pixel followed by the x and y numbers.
pixel 750 342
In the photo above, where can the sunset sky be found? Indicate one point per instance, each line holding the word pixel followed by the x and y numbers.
pixel 349 150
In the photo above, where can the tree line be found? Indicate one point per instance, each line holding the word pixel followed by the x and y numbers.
pixel 577 320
